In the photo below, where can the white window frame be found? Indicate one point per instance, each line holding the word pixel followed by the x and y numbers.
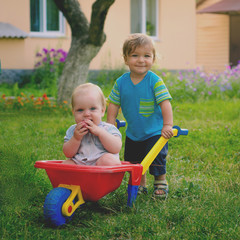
pixel 43 18
pixel 144 18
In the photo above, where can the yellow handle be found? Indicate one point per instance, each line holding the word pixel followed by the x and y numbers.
pixel 147 161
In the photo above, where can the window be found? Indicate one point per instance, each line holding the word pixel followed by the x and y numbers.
pixel 46 19
pixel 144 15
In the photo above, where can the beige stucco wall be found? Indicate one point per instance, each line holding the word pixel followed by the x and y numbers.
pixel 176 43
pixel 117 27
pixel 20 53
pixel 177 27
pixel 212 40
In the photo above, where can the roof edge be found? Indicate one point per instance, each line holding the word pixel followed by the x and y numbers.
pixel 199 2
pixel 8 30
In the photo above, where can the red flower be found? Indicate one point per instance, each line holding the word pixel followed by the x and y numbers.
pixel 45 96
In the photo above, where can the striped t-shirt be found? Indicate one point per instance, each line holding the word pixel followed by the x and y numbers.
pixel 140 104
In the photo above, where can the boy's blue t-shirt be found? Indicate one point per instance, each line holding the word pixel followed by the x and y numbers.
pixel 140 104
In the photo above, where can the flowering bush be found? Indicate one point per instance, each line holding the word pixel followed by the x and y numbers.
pixel 191 85
pixel 32 102
pixel 196 85
pixel 48 68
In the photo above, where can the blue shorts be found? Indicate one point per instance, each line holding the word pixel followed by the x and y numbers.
pixel 136 151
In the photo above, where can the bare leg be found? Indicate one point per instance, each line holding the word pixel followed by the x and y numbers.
pixel 108 159
pixel 69 161
pixel 143 180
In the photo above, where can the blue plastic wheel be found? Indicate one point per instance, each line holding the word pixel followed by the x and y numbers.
pixel 53 206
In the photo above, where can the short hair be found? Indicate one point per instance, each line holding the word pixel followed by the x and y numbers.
pixel 135 40
pixel 87 86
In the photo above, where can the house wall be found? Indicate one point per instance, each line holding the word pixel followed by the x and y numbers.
pixel 117 27
pixel 212 42
pixel 177 34
pixel 175 46
pixel 20 53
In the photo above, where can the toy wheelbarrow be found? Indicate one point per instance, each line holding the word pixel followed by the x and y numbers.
pixel 73 185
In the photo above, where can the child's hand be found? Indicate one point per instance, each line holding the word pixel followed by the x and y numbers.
pixel 80 130
pixel 93 128
pixel 167 131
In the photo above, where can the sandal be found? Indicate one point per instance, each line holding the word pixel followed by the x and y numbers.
pixel 142 190
pixel 161 185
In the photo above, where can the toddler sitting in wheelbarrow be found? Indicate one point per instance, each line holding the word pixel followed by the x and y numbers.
pixel 91 141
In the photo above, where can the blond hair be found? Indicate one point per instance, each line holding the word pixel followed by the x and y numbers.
pixel 135 40
pixel 87 86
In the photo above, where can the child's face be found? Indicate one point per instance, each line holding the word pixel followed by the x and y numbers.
pixel 88 105
pixel 140 60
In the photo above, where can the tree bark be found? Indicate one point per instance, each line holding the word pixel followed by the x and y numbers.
pixel 87 40
pixel 75 70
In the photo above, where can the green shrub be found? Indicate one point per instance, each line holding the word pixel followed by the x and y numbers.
pixel 48 68
pixel 184 86
pixel 194 85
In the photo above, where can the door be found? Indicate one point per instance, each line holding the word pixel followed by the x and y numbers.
pixel 234 39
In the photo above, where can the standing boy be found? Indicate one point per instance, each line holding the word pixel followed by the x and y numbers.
pixel 144 100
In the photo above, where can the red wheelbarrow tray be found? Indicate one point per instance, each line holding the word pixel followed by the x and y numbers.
pixel 95 181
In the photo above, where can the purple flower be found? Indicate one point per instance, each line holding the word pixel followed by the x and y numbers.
pixel 62 59
pixel 37 64
pixel 64 54
pixel 194 89
pixel 228 67
pixel 44 59
pixel 45 50
pixel 180 78
pixel 202 74
pixel 209 93
pixel 38 54
pixel 51 62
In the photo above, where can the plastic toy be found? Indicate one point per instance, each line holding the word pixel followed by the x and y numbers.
pixel 73 185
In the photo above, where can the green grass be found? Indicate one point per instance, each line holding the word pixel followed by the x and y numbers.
pixel 203 173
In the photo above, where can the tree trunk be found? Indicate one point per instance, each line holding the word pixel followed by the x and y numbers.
pixel 87 40
pixel 75 69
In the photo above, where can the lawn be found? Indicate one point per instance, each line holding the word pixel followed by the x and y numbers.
pixel 203 173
